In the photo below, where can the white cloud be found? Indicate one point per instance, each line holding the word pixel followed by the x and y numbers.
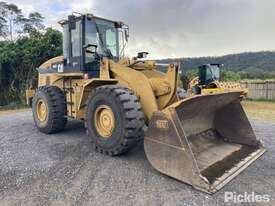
pixel 176 28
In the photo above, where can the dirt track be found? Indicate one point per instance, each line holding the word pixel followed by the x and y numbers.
pixel 62 169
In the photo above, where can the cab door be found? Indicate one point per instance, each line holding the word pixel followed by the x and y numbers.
pixel 72 45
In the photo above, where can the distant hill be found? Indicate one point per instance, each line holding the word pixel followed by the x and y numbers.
pixel 248 64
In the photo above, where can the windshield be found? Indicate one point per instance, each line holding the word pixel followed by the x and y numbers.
pixel 212 73
pixel 104 34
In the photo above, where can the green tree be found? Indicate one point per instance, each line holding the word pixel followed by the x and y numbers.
pixel 9 19
pixel 191 74
pixel 230 76
pixel 31 24
pixel 3 27
pixel 19 60
pixel 13 23
pixel 3 21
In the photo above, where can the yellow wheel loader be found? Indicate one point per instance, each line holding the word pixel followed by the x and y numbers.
pixel 209 82
pixel 204 140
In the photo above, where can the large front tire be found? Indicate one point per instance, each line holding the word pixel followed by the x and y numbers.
pixel 114 119
pixel 49 109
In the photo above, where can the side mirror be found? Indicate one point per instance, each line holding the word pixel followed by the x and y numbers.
pixel 142 55
pixel 72 22
pixel 92 49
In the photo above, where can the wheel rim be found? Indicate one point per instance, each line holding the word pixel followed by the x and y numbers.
pixel 104 121
pixel 41 110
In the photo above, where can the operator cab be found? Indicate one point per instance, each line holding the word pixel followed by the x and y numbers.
pixel 209 73
pixel 87 39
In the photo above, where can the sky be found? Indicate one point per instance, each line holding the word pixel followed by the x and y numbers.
pixel 176 28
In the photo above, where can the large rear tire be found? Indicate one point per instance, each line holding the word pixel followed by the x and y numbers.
pixel 114 119
pixel 49 109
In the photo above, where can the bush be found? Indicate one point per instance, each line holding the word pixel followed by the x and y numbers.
pixel 19 60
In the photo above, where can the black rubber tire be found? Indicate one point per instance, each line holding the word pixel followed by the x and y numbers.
pixel 129 119
pixel 54 99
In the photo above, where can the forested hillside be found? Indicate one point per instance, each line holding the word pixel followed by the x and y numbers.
pixel 247 65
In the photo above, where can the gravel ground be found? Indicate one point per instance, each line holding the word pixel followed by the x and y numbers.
pixel 62 169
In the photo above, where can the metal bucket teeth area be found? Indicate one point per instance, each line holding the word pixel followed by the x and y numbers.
pixel 204 140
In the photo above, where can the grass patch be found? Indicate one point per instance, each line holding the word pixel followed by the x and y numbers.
pixel 261 110
pixel 259 100
pixel 12 108
pixel 4 112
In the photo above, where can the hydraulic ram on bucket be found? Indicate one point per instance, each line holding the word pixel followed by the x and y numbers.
pixel 204 140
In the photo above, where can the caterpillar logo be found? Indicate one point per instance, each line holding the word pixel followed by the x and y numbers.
pixel 162 124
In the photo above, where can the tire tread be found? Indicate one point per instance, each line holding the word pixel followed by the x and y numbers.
pixel 133 116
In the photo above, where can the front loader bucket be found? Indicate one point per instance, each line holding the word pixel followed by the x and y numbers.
pixel 204 140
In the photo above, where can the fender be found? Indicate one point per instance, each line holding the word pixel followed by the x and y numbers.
pixel 90 84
